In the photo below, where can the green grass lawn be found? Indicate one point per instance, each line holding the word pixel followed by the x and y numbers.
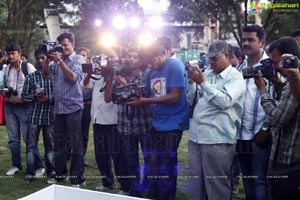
pixel 13 188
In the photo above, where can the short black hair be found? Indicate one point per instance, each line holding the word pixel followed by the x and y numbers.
pixel 296 33
pixel 25 56
pixel 286 45
pixel 152 50
pixel 38 51
pixel 165 42
pixel 13 47
pixel 237 52
pixel 63 36
pixel 260 31
pixel 83 49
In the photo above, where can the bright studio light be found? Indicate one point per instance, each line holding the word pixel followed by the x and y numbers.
pixel 145 38
pixel 134 22
pixel 108 39
pixel 98 22
pixel 119 22
pixel 156 22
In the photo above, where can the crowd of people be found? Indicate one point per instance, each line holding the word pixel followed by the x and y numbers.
pixel 241 111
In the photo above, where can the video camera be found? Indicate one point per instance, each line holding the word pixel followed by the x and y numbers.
pixel 290 62
pixel 266 68
pixel 49 47
pixel 8 92
pixel 123 94
pixel 107 68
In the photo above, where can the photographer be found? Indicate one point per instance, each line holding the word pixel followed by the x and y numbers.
pixel 68 107
pixel 107 140
pixel 215 122
pixel 284 116
pixel 38 90
pixel 167 82
pixel 16 110
pixel 132 122
pixel 252 146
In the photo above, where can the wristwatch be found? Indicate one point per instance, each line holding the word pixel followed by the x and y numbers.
pixel 266 127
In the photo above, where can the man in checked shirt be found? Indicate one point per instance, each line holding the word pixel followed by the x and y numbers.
pixel 38 90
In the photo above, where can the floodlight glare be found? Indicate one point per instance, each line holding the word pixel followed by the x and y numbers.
pixel 156 22
pixel 98 22
pixel 119 22
pixel 145 38
pixel 134 22
pixel 108 39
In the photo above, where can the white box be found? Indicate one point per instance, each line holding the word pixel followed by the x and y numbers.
pixel 59 192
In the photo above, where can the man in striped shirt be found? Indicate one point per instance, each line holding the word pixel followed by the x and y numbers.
pixel 253 158
pixel 38 90
pixel 68 106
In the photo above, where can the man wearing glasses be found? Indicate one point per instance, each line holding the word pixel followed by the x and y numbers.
pixel 215 122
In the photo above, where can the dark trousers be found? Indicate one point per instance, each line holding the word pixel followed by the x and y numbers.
pixel 284 181
pixel 254 165
pixel 32 145
pixel 67 135
pixel 130 147
pixel 163 164
pixel 107 145
pixel 85 126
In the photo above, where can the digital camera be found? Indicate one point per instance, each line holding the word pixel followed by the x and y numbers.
pixel 123 94
pixel 266 68
pixel 8 92
pixel 50 47
pixel 194 63
pixel 290 62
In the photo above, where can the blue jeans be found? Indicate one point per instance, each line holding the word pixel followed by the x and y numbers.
pixel 16 123
pixel 32 145
pixel 163 164
pixel 254 165
pixel 67 135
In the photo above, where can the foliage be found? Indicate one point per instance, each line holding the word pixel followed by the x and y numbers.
pixel 232 18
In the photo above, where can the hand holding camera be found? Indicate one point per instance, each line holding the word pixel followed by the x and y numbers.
pixel 196 75
pixel 40 95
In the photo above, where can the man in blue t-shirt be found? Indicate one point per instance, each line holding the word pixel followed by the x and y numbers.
pixel 167 83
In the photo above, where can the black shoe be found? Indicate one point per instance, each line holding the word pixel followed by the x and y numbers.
pixel 27 180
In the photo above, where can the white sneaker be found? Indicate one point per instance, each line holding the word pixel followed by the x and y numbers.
pixel 121 192
pixel 81 185
pixel 12 170
pixel 102 188
pixel 39 172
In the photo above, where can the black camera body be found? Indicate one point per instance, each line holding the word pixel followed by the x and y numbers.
pixel 266 68
pixel 189 65
pixel 123 94
pixel 8 92
pixel 290 62
pixel 109 69
pixel 50 47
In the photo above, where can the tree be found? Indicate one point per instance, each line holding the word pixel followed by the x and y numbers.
pixel 20 21
pixel 232 18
